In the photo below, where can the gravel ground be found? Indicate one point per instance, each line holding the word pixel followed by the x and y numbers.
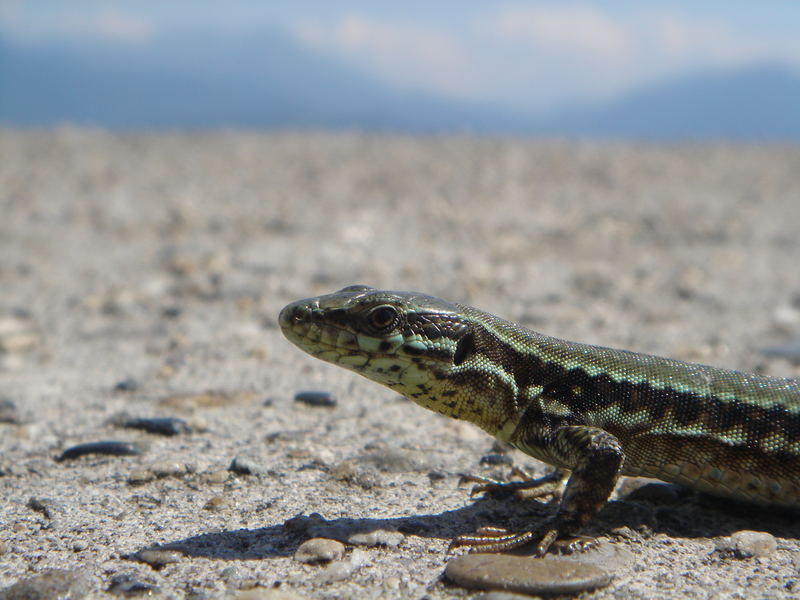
pixel 141 277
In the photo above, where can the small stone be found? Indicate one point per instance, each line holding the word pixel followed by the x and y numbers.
pixel 496 459
pixel 319 550
pixel 171 312
pixel 217 477
pixel 168 468
pixel 524 574
pixel 158 558
pixel 168 426
pixel 315 398
pixel 378 537
pixel 8 412
pixel 342 569
pixel 46 506
pixel 128 585
pixel 299 453
pixel 245 466
pixel 18 342
pixel 129 384
pixel 3 548
pixel 140 477
pixel 435 476
pixel 111 448
pixel 300 524
pixel 50 584
pixel 348 472
pixel 207 400
pixel 747 544
pixel 215 503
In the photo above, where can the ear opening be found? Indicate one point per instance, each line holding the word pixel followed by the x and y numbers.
pixel 465 347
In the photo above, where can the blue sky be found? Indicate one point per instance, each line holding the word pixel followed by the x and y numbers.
pixel 524 55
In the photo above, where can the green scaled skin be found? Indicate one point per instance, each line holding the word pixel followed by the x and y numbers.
pixel 595 412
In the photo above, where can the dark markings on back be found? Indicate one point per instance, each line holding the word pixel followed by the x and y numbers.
pixel 712 415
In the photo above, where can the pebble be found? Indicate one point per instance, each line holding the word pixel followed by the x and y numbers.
pixel 215 503
pixel 217 477
pixel 49 585
pixel 378 537
pixel 747 544
pixel 315 398
pixel 207 400
pixel 49 508
pixel 435 476
pixel 127 585
pixel 112 448
pixel 319 550
pixel 8 412
pixel 158 558
pixel 245 466
pixel 129 384
pixel 17 336
pixel 160 426
pixel 140 477
pixel 524 574
pixel 171 312
pixel 348 472
pixel 301 523
pixel 343 569
pixel 168 468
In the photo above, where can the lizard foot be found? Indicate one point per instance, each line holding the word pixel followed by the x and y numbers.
pixel 573 544
pixel 497 539
pixel 544 540
pixel 548 485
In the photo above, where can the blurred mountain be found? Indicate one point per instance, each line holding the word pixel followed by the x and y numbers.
pixel 269 81
pixel 264 81
pixel 760 102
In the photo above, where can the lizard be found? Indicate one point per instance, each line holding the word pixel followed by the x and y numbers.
pixel 593 412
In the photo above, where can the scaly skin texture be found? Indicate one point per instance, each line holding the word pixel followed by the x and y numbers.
pixel 595 412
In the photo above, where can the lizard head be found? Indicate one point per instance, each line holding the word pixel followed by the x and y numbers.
pixel 399 339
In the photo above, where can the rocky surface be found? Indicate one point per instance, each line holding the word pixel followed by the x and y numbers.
pixel 141 275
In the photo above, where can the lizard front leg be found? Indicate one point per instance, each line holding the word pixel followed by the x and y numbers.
pixel 596 458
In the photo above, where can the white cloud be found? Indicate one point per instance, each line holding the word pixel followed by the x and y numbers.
pixel 574 30
pixel 542 56
pixel 110 26
pixel 121 27
pixel 402 54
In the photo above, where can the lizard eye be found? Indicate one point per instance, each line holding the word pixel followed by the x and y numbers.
pixel 383 317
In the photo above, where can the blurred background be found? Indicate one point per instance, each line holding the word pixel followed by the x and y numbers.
pixel 658 70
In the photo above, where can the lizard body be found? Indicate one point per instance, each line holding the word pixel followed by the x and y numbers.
pixel 596 412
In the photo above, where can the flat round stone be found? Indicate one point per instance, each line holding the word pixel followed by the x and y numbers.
pixel 319 550
pixel 524 574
